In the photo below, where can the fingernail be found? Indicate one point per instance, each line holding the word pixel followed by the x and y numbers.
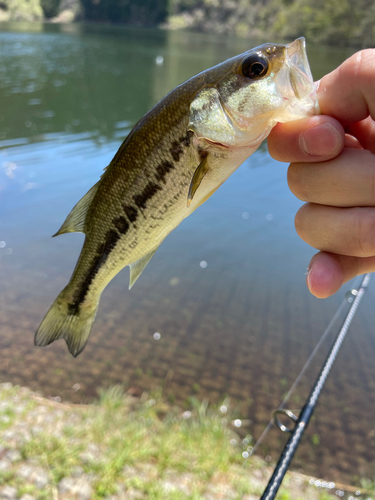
pixel 321 140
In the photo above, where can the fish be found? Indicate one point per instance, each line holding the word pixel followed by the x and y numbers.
pixel 171 162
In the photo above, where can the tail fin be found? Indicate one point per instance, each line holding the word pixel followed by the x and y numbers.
pixel 74 328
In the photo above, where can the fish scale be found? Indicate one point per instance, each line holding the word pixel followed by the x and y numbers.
pixel 172 161
pixel 126 244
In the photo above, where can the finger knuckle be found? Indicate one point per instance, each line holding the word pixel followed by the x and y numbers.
pixel 356 266
pixel 359 68
pixel 296 181
pixel 363 227
pixel 300 221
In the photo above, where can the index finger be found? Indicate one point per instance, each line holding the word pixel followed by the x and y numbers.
pixel 346 95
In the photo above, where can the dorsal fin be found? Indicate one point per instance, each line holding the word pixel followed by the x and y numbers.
pixel 137 267
pixel 75 222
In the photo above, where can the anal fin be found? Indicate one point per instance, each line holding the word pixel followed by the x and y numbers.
pixel 200 172
pixel 137 267
pixel 75 222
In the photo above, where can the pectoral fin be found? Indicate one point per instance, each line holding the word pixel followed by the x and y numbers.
pixel 75 221
pixel 137 267
pixel 200 172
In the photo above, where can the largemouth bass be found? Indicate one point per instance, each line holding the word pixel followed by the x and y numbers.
pixel 172 161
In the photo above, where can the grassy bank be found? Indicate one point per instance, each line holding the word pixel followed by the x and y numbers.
pixel 123 447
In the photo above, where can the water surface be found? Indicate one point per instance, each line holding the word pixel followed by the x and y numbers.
pixel 225 292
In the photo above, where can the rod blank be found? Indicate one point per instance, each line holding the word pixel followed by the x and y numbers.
pixel 306 412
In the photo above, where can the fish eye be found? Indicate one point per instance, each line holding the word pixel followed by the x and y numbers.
pixel 254 66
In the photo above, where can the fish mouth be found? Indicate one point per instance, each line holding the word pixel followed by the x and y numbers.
pixel 298 80
pixel 300 74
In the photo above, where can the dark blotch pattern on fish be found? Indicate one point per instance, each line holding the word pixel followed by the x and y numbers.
pixel 149 191
pixel 163 169
pixel 130 212
pixel 121 224
pixel 100 259
pixel 176 150
pixel 186 140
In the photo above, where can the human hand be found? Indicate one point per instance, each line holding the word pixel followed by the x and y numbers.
pixel 333 169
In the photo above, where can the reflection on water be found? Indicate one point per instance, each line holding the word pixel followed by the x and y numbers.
pixel 222 309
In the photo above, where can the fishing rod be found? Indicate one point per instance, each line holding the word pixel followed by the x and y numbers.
pixel 306 412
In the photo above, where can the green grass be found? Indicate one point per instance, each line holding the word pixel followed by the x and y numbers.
pixel 135 434
pixel 139 445
pixel 152 433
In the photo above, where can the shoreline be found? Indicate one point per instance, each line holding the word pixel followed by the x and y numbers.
pixel 68 17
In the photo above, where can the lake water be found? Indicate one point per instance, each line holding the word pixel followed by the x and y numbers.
pixel 225 292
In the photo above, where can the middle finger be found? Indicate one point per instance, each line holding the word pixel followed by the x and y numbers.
pixel 343 231
pixel 345 181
